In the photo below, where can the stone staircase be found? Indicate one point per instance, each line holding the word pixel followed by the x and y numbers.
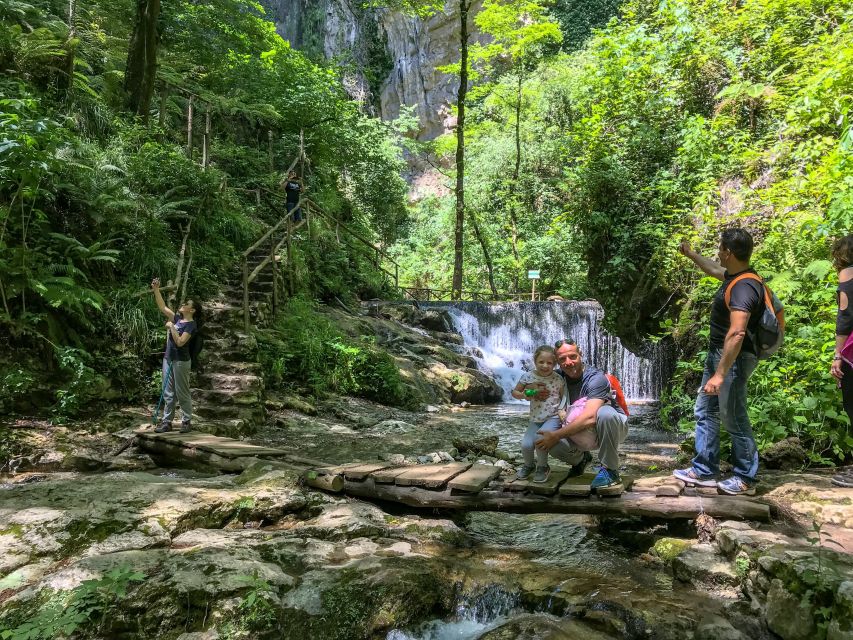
pixel 228 391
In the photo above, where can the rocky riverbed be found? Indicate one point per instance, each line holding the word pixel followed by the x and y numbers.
pixel 138 551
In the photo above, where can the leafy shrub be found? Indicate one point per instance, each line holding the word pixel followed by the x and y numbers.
pixel 305 351
pixel 85 608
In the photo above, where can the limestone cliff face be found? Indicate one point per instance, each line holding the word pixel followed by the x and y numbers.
pixel 393 56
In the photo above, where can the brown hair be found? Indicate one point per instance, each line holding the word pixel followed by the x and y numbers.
pixel 842 252
pixel 543 349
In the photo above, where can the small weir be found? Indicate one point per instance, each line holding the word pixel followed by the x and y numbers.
pixel 502 337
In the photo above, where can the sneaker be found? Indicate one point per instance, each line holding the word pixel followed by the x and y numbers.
pixel 186 427
pixel 524 472
pixel 580 467
pixel 541 474
pixel 163 427
pixel 734 486
pixel 605 479
pixel 690 476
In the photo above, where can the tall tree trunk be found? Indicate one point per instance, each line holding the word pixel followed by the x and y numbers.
pixel 488 258
pixel 513 217
pixel 456 292
pixel 141 68
pixel 71 46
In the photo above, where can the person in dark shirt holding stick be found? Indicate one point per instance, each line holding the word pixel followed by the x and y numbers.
pixel 842 367
pixel 730 362
pixel 177 362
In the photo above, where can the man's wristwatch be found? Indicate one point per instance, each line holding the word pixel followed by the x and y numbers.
pixel 836 358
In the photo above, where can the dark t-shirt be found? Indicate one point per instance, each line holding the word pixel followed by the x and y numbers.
pixel 844 319
pixel 747 295
pixel 592 384
pixel 291 190
pixel 173 351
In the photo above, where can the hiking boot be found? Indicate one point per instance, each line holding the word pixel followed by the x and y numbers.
pixel 606 480
pixel 163 427
pixel 524 472
pixel 580 467
pixel 186 427
pixel 690 476
pixel 735 486
pixel 541 474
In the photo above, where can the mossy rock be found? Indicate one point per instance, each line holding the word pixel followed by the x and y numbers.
pixel 667 549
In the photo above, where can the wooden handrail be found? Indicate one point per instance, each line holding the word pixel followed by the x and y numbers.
pixel 273 229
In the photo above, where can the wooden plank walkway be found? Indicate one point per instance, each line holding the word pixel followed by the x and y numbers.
pixel 477 487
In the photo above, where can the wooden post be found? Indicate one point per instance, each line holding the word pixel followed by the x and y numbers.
pixel 245 293
pixel 274 277
pixel 289 261
pixel 272 159
pixel 190 128
pixel 205 150
pixel 258 197
pixel 396 275
pixel 533 290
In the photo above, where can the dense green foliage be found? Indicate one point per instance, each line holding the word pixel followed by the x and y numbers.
pixel 94 202
pixel 306 353
pixel 675 120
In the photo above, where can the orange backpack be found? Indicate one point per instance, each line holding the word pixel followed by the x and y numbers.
pixel 617 393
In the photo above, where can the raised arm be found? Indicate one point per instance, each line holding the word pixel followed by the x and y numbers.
pixel 158 298
pixel 713 269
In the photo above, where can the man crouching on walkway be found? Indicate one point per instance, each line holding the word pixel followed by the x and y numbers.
pixel 730 362
pixel 601 424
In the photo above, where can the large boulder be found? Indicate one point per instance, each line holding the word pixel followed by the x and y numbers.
pixel 464 385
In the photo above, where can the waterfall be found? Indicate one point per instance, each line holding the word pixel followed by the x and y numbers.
pixel 502 337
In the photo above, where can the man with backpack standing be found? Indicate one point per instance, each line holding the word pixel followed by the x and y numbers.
pixel 177 360
pixel 601 424
pixel 733 350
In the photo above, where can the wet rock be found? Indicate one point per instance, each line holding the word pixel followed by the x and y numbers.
pixel 700 565
pixel 366 599
pixel 669 548
pixel 787 454
pixel 345 520
pixel 788 616
pixel 84 460
pixel 841 626
pixel 485 445
pixel 717 628
pixel 539 626
pixel 464 385
pixel 431 408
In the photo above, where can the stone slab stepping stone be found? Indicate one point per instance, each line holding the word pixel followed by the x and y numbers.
pixel 700 491
pixel 547 488
pixel 671 488
pixel 651 483
pixel 475 479
pixel 431 476
pixel 577 487
pixel 225 447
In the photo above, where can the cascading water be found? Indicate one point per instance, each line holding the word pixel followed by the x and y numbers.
pixel 502 337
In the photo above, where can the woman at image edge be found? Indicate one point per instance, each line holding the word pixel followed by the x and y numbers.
pixel 842 259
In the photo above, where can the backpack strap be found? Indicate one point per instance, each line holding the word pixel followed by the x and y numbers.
pixel 727 296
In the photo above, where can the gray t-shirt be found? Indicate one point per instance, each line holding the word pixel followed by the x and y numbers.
pixel 592 384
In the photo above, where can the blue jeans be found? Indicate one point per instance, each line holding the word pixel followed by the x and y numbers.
pixel 728 408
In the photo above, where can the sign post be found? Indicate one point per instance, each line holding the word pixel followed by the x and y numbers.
pixel 533 275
